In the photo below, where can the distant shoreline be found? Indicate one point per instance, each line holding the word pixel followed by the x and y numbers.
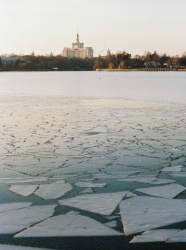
pixel 142 69
pixel 105 70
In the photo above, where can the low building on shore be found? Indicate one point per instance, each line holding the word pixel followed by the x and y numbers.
pixel 11 60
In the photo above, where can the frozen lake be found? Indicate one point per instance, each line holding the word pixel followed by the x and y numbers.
pixel 92 173
pixel 148 86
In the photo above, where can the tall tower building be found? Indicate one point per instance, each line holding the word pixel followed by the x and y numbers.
pixel 78 50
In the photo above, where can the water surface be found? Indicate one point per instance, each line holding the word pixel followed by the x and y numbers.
pixel 146 86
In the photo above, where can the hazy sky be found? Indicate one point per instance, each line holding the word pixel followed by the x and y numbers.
pixel 136 26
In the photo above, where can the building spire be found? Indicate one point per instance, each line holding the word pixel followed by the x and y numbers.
pixel 77 39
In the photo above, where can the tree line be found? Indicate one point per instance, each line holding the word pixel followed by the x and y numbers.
pixel 120 60
pixel 47 63
pixel 124 60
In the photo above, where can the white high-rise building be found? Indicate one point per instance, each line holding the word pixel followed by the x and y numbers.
pixel 78 50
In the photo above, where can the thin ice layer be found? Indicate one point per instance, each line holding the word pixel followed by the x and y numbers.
pixel 167 191
pixel 68 225
pixel 13 222
pixel 158 235
pixel 53 190
pixel 103 204
pixel 145 213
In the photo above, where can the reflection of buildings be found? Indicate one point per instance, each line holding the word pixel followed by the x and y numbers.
pixel 78 50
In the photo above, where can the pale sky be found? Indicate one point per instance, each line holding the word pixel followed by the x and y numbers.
pixel 136 26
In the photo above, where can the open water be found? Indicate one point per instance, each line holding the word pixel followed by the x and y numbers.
pixel 147 86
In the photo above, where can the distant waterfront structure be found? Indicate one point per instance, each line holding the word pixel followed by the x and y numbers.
pixel 78 50
pixel 11 60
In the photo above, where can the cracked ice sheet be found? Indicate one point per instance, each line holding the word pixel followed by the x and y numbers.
pixel 145 213
pixel 155 235
pixel 104 203
pixel 10 247
pixel 178 237
pixel 168 191
pixel 89 184
pixel 68 225
pixel 24 190
pixel 13 206
pixel 13 222
pixel 53 190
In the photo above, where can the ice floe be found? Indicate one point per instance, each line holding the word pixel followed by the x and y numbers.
pixel 104 203
pixel 89 184
pixel 145 213
pixel 178 237
pixel 167 191
pixel 157 235
pixel 68 225
pixel 24 190
pixel 13 222
pixel 53 190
